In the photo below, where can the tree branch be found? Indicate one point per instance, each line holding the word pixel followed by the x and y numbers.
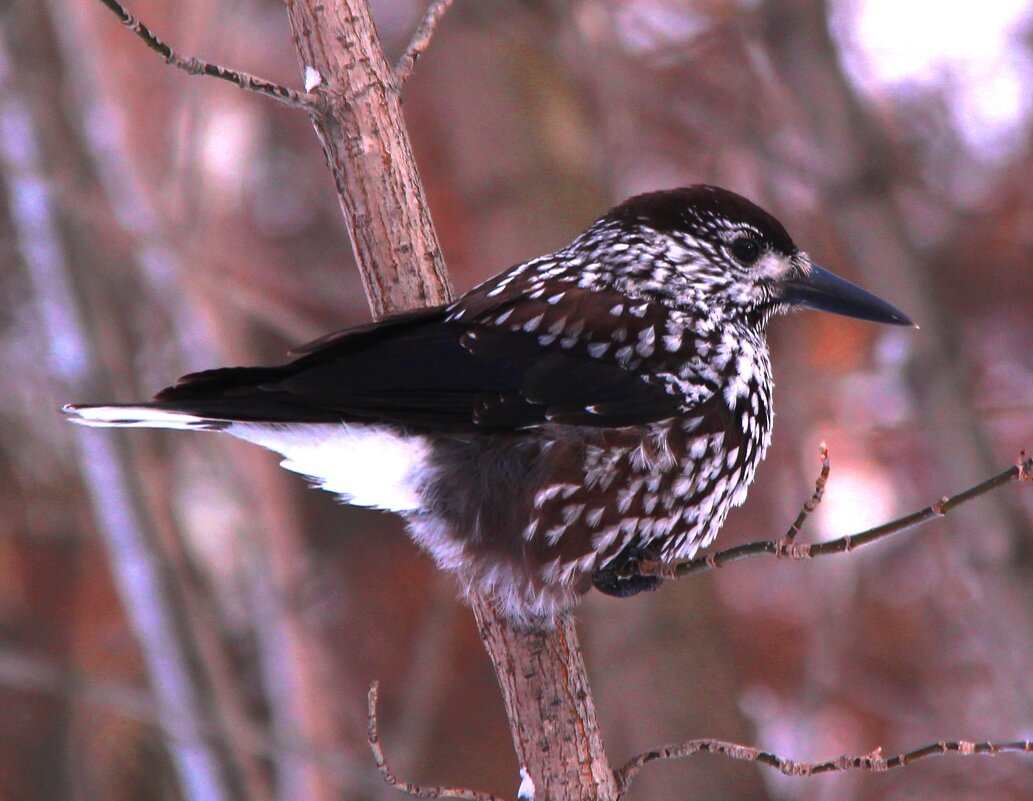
pixel 786 548
pixel 550 706
pixel 373 737
pixel 194 66
pixel 873 761
pixel 360 123
pixel 420 40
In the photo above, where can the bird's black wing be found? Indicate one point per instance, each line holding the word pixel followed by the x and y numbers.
pixel 455 368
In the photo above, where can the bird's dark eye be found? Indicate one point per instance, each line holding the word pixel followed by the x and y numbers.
pixel 746 249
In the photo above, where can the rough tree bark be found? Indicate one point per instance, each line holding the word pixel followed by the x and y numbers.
pixel 360 122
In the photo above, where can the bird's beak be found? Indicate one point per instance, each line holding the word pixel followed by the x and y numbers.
pixel 821 290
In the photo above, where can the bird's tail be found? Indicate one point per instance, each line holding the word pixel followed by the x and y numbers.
pixel 155 415
pixel 209 401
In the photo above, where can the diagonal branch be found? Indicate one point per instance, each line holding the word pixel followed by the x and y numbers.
pixel 194 66
pixel 786 548
pixel 373 737
pixel 874 761
pixel 420 40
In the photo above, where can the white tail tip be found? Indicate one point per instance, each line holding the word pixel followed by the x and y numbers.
pixel 135 417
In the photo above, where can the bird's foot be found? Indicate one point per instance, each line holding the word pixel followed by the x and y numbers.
pixel 614 582
pixel 622 578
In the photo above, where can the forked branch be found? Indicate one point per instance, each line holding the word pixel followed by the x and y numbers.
pixel 194 66
pixel 874 761
pixel 786 548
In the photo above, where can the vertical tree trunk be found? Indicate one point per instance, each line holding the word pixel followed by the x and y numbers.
pixel 367 148
pixel 550 707
pixel 542 674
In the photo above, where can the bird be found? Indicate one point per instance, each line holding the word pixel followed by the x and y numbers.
pixel 558 424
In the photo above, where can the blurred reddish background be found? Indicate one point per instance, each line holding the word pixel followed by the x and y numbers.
pixel 181 619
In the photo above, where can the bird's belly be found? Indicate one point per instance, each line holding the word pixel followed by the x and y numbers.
pixel 367 465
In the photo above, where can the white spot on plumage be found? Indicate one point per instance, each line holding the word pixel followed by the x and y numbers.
pixel 646 340
pixel 532 324
pixel 547 494
pixel 626 495
pixel 682 486
pixel 554 534
pixel 587 562
pixel 605 538
pixel 570 514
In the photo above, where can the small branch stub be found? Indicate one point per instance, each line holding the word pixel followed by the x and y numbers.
pixel 1025 465
pixel 819 492
pixel 421 40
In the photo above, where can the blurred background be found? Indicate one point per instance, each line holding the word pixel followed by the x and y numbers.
pixel 180 619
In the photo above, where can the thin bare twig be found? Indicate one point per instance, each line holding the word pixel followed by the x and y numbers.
pixel 373 736
pixel 785 548
pixel 194 66
pixel 873 761
pixel 811 503
pixel 420 40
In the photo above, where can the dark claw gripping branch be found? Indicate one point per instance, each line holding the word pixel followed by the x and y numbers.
pixel 601 404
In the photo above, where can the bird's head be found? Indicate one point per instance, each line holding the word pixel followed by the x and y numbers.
pixel 705 249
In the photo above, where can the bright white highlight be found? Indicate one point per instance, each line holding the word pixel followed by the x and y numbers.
pixel 863 497
pixel 132 417
pixel 312 78
pixel 526 791
pixel 975 51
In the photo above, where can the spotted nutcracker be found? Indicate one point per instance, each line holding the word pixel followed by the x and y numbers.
pixel 582 410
